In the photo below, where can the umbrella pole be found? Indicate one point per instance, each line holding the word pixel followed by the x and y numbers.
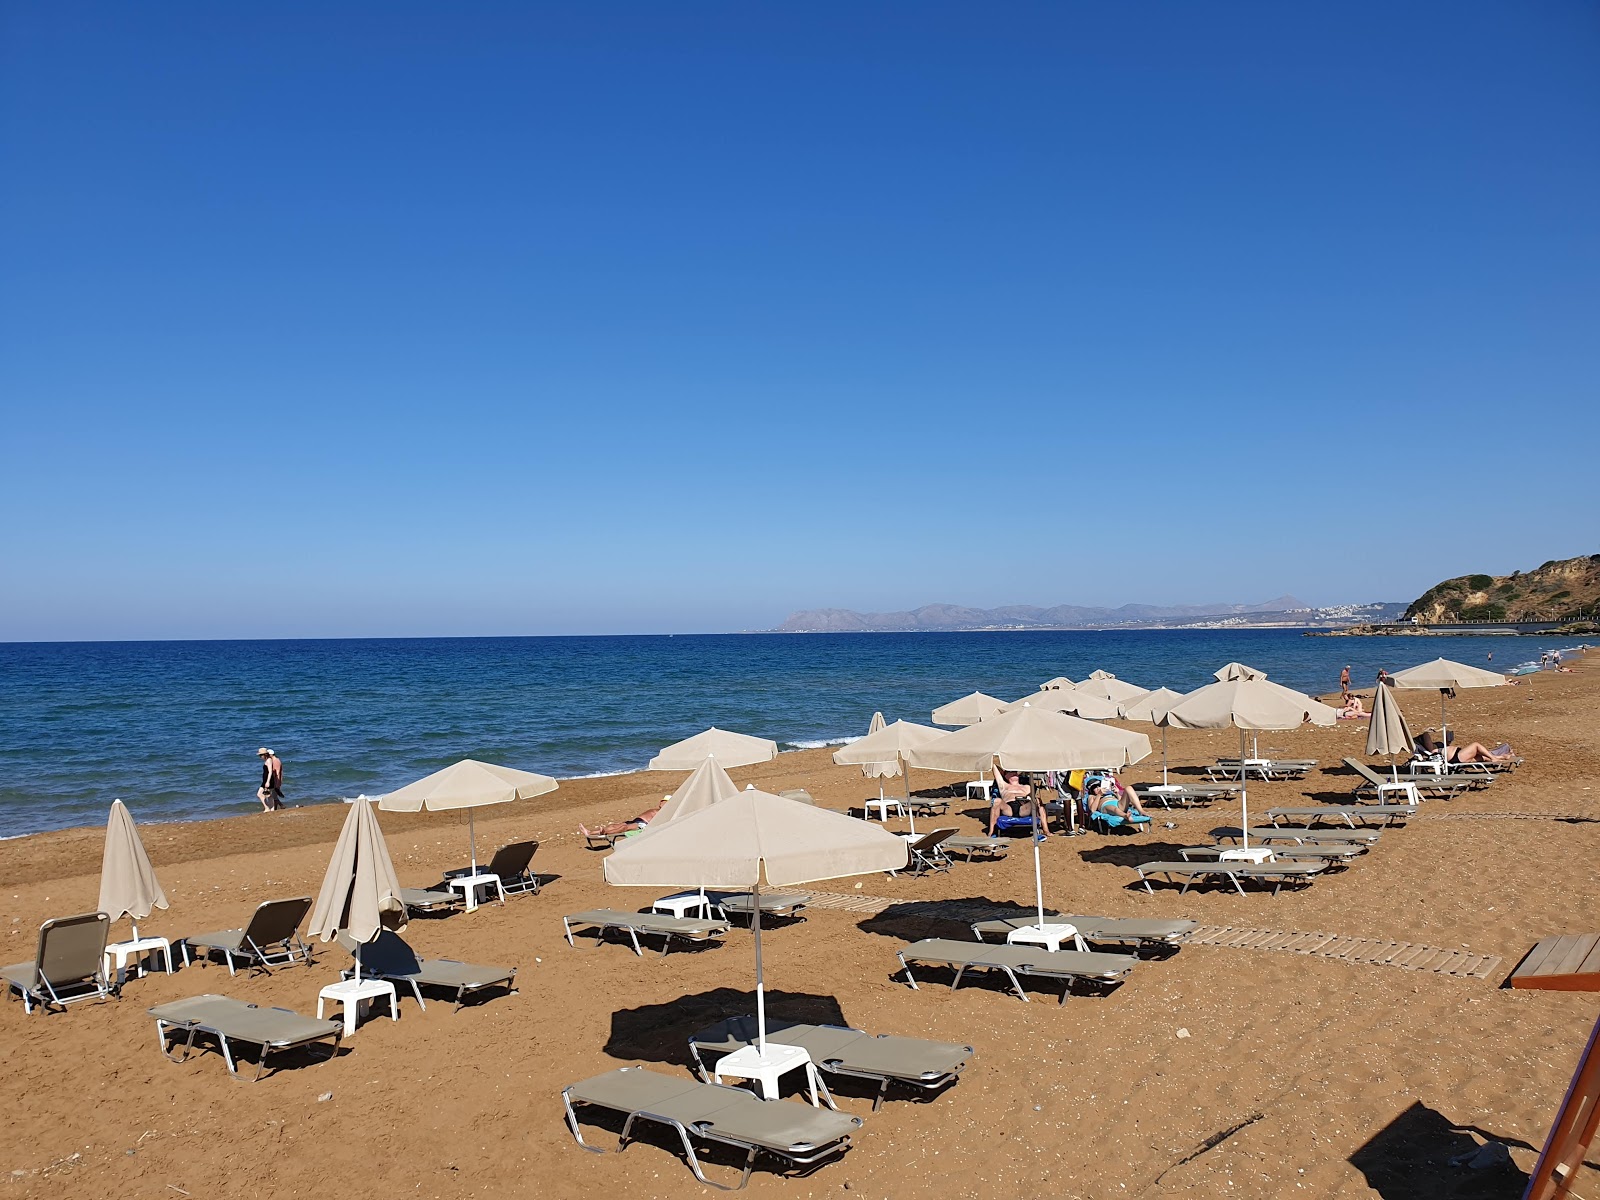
pixel 1163 756
pixel 1444 737
pixel 358 963
pixel 472 837
pixel 761 987
pixel 135 925
pixel 905 776
pixel 1244 793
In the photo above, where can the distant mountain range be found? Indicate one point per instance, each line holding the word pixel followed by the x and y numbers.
pixel 947 618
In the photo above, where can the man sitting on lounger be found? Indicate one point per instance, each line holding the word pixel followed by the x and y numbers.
pixel 1010 795
pixel 1430 746
pixel 613 828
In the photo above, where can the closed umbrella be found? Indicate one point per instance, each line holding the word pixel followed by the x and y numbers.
pixel 128 883
pixel 1387 731
pixel 1152 706
pixel 1108 687
pixel 728 748
pixel 969 710
pixel 1032 739
pixel 1247 702
pixel 360 893
pixel 471 785
pixel 887 747
pixel 1445 675
pixel 751 838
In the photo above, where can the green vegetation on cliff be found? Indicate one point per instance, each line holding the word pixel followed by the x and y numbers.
pixel 1560 590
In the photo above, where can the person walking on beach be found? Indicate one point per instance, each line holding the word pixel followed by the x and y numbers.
pixel 270 793
pixel 1344 684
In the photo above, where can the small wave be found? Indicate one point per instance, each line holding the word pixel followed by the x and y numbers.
pixel 603 774
pixel 820 743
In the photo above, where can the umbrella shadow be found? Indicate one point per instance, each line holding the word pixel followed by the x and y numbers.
pixel 1421 1154
pixel 913 920
pixel 1132 854
pixel 660 1032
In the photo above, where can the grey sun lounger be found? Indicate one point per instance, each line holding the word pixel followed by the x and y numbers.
pixel 1184 796
pixel 271 939
pixel 1443 787
pixel 389 957
pixel 841 1051
pixel 784 905
pixel 927 808
pixel 1139 932
pixel 1276 873
pixel 926 852
pixel 1017 961
pixel 970 847
pixel 67 965
pixel 1334 854
pixel 230 1021
pixel 599 920
pixel 431 900
pixel 1351 815
pixel 797 1135
pixel 510 862
pixel 1301 834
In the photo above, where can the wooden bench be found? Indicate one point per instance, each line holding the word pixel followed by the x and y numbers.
pixel 1569 962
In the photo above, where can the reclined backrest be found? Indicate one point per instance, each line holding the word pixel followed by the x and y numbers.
pixel 72 948
pixel 276 920
pixel 512 860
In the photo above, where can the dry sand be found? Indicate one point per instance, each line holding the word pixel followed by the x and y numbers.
pixel 1337 1079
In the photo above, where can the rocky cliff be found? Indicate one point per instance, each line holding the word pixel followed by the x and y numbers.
pixel 1567 589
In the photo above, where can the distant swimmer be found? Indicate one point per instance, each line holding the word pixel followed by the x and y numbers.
pixel 270 793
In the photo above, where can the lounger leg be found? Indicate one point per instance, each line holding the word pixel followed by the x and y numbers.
pixel 1145 879
pixel 956 982
pixel 1012 975
pixel 1237 885
pixel 910 978
pixel 227 1056
pixel 572 1124
pixel 417 992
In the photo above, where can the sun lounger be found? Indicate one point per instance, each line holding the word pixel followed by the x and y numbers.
pixel 1349 814
pixel 431 900
pixel 783 905
pixel 841 1051
pixel 510 862
pixel 795 1134
pixel 271 939
pixel 1183 795
pixel 972 847
pixel 229 1021
pixel 927 808
pixel 389 957
pixel 1018 960
pixel 1139 932
pixel 926 852
pixel 1265 768
pixel 68 964
pixel 689 929
pixel 1278 874
pixel 604 841
pixel 1445 787
pixel 1334 855
pixel 1301 834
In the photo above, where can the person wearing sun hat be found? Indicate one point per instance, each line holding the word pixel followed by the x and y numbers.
pixel 270 793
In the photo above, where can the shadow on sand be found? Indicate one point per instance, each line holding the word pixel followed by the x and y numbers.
pixel 1409 1159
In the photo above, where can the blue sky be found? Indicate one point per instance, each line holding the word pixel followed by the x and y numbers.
pixel 392 319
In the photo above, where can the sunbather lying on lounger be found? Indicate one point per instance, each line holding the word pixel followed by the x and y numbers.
pixel 630 826
pixel 1109 795
pixel 1010 795
pixel 1430 746
pixel 1352 709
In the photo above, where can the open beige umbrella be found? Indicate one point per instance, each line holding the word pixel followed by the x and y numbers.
pixel 1236 670
pixel 708 785
pixel 1248 703
pixel 1152 706
pixel 752 838
pixel 360 893
pixel 1070 700
pixel 886 747
pixel 1032 739
pixel 728 748
pixel 1387 731
pixel 469 784
pixel 877 770
pixel 1060 681
pixel 1107 686
pixel 128 883
pixel 969 710
pixel 1446 676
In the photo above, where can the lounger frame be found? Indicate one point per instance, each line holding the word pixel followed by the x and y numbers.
pixel 634 924
pixel 90 929
pixel 1050 965
pixel 257 950
pixel 197 1027
pixel 1233 872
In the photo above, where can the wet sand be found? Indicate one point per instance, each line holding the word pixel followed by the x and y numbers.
pixel 1335 1078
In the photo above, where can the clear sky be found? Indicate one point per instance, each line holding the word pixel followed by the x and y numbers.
pixel 478 318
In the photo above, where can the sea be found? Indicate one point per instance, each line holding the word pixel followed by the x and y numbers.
pixel 172 727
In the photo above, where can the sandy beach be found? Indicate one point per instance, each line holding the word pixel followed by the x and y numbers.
pixel 1335 1078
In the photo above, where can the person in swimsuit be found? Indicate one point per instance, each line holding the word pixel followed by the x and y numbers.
pixel 270 793
pixel 1344 684
pixel 1109 795
pixel 630 826
pixel 1429 745
pixel 1010 793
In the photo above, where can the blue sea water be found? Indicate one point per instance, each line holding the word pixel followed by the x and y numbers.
pixel 172 727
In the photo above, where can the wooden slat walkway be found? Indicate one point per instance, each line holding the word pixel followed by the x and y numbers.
pixel 1368 951
pixel 1568 962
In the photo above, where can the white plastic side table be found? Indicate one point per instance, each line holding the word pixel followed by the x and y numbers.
pixel 1251 854
pixel 1048 935
pixel 883 806
pixel 749 1063
pixel 351 995
pixel 469 885
pixel 1408 790
pixel 681 905
pixel 980 787
pixel 121 952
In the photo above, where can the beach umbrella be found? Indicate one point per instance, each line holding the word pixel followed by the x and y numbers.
pixel 1236 670
pixel 360 894
pixel 1108 687
pixel 1387 731
pixel 751 838
pixel 1070 700
pixel 706 786
pixel 1446 676
pixel 1248 703
pixel 969 710
pixel 886 747
pixel 1152 706
pixel 877 770
pixel 728 748
pixel 1059 682
pixel 471 785
pixel 128 883
pixel 1032 739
